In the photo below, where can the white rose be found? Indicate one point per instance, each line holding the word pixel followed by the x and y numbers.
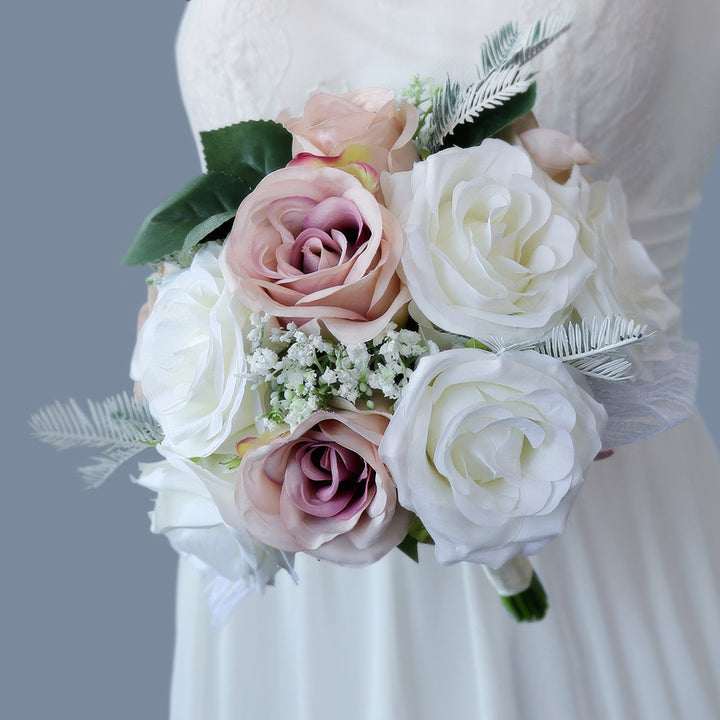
pixel 190 360
pixel 489 451
pixel 491 249
pixel 626 281
pixel 191 500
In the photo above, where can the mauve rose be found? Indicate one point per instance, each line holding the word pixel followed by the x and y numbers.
pixel 323 489
pixel 313 244
pixel 330 123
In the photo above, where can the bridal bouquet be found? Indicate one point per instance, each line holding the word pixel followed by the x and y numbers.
pixel 384 322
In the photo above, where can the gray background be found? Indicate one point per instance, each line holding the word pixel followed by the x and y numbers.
pixel 93 137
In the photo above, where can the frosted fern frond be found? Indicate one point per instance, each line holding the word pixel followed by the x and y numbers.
pixel 116 422
pixel 495 48
pixel 103 466
pixel 593 348
pixel 579 341
pixel 456 104
pixel 497 344
pixel 502 75
pixel 119 424
pixel 508 46
pixel 537 37
pixel 604 367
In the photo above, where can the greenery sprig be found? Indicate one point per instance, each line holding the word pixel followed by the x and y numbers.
pixel 466 114
pixel 237 158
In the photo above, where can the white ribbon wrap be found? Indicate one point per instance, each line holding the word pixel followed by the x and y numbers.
pixel 513 577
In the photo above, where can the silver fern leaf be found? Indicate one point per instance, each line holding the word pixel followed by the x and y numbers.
pixel 119 424
pixel 604 367
pixel 496 48
pixel 502 75
pixel 579 341
pixel 497 344
pixel 116 422
pixel 590 348
pixel 509 46
pixel 537 37
pixel 103 466
pixel 456 105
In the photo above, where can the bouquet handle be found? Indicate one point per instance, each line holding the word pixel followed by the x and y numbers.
pixel 520 589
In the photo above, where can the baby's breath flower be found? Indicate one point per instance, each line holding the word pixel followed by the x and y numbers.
pixel 306 372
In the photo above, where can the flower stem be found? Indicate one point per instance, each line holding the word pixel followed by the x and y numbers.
pixel 529 605
pixel 520 589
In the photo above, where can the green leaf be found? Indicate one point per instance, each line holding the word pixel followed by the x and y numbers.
pixel 166 228
pixel 476 344
pixel 248 150
pixel 418 532
pixel 491 121
pixel 410 547
pixel 206 230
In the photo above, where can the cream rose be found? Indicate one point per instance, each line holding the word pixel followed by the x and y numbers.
pixel 369 117
pixel 190 360
pixel 313 244
pixel 491 249
pixel 191 500
pixel 489 451
pixel 323 489
pixel 626 281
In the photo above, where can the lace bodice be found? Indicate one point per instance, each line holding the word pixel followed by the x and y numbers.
pixel 634 81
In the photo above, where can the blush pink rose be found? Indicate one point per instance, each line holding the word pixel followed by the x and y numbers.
pixel 323 489
pixel 554 152
pixel 313 244
pixel 370 117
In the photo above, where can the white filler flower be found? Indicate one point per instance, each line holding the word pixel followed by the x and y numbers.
pixel 489 451
pixel 191 499
pixel 190 361
pixel 491 249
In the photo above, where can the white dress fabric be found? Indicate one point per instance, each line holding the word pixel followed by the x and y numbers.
pixel 633 630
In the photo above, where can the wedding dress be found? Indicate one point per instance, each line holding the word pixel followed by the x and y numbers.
pixel 633 631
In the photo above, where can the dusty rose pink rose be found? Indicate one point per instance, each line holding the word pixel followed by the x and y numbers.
pixel 330 123
pixel 313 244
pixel 323 489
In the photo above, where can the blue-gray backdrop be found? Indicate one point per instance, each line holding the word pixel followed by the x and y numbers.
pixel 94 136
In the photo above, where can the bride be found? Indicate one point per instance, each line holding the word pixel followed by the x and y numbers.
pixel 634 624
